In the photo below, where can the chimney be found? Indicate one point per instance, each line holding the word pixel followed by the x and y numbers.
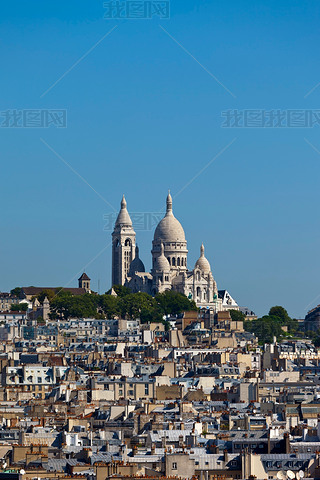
pixel 287 442
pixel 225 456
pixel 305 433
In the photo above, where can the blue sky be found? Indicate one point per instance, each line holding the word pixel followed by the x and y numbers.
pixel 144 115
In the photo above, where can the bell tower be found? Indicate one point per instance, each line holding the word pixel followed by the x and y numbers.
pixel 123 245
pixel 84 282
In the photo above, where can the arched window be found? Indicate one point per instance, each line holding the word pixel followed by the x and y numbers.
pixel 173 262
pixel 199 293
pixel 198 276
pixel 127 242
pixel 178 261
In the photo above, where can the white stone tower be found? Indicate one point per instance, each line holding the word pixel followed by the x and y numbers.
pixel 123 245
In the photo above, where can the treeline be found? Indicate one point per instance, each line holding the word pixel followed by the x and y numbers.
pixel 64 305
pixel 271 325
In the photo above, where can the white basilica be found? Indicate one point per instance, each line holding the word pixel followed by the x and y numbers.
pixel 169 261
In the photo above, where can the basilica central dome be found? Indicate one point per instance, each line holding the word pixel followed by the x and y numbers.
pixel 169 229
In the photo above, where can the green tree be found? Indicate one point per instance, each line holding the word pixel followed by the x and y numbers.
pixel 265 328
pixel 109 304
pixel 281 313
pixel 16 291
pixel 20 307
pixel 173 303
pixel 61 305
pixel 237 316
pixel 49 293
pixel 120 290
pixel 133 304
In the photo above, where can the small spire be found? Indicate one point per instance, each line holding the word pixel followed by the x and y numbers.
pixel 137 251
pixel 169 203
pixel 123 202
pixel 202 250
pixel 161 249
pixel 123 217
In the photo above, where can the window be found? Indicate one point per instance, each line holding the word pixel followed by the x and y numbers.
pixel 130 392
pixel 146 389
pixel 173 262
pixel 174 466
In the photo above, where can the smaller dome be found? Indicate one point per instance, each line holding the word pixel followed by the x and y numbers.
pixel 203 263
pixel 136 265
pixel 161 262
pixel 124 217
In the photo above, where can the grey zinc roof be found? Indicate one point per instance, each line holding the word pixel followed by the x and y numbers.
pixel 100 457
pixel 213 461
pixel 171 435
pixel 56 464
